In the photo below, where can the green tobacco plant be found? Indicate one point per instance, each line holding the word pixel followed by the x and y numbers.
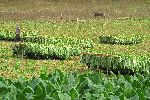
pixel 34 36
pixel 40 51
pixel 120 40
pixel 7 35
pixel 10 35
pixel 73 86
pixel 58 40
pixel 117 62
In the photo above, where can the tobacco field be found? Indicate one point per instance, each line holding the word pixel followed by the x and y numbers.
pixel 68 54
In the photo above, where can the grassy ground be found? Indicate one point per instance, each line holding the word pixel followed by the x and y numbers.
pixel 31 15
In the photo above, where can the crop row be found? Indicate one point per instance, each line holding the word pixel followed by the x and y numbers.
pixel 58 40
pixel 39 51
pixel 75 86
pixel 33 36
pixel 120 40
pixel 10 35
pixel 117 62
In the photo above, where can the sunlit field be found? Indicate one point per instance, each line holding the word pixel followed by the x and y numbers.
pixel 62 57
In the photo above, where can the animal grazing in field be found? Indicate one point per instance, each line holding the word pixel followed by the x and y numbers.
pixel 17 37
pixel 101 14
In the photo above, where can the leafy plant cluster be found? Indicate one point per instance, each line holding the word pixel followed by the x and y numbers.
pixel 60 40
pixel 7 35
pixel 75 86
pixel 34 36
pixel 10 35
pixel 36 46
pixel 120 40
pixel 117 62
pixel 39 51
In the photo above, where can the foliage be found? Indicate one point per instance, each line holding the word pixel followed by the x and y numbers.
pixel 7 35
pixel 35 37
pixel 39 51
pixel 116 62
pixel 59 40
pixel 10 35
pixel 120 40
pixel 72 86
pixel 12 67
